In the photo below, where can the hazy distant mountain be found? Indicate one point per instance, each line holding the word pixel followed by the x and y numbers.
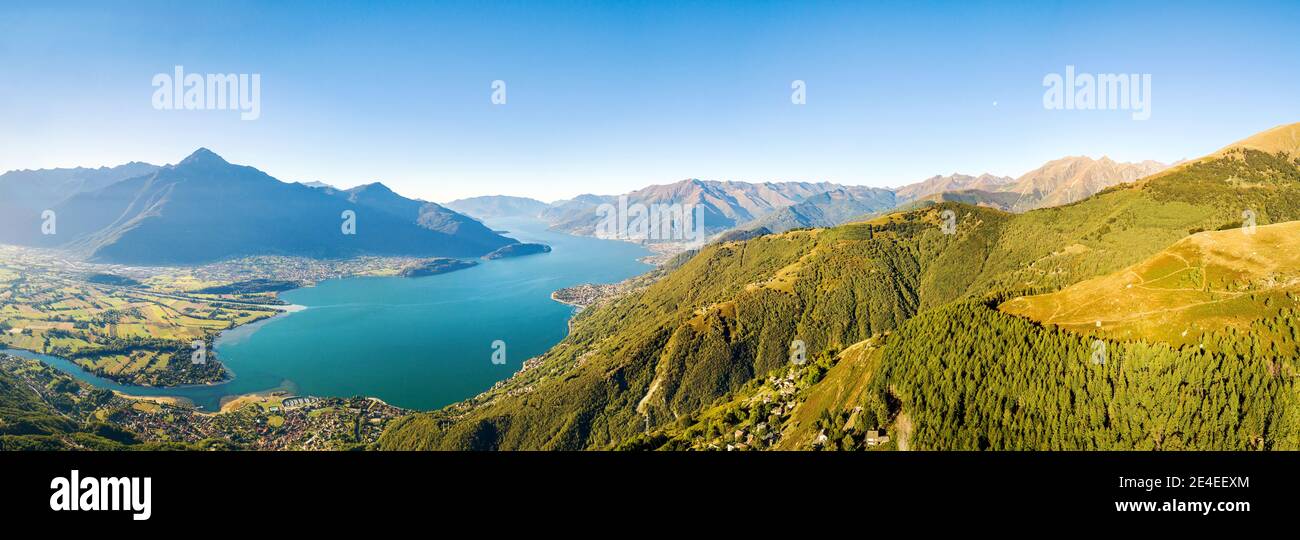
pixel 952 182
pixel 25 194
pixel 495 206
pixel 1071 179
pixel 780 206
pixel 1057 182
pixel 827 209
pixel 205 209
pixel 726 204
pixel 1002 200
pixel 576 209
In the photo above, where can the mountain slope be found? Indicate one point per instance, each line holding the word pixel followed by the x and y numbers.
pixel 826 209
pixel 1203 283
pixel 775 205
pixel 968 377
pixel 1057 182
pixel 205 209
pixel 1070 179
pixel 1284 138
pixel 726 205
pixel 707 328
pixel 703 331
pixel 29 422
pixel 25 194
pixel 428 215
pixel 952 182
pixel 1001 200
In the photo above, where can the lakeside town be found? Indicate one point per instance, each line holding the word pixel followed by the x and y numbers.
pixel 270 421
pixel 134 324
pixel 138 325
pixel 588 294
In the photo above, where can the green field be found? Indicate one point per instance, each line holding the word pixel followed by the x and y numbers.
pixel 132 334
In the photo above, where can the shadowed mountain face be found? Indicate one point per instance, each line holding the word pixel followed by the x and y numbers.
pixel 204 209
pixel 24 195
pixel 431 216
pixel 726 205
pixel 1002 200
pixel 827 209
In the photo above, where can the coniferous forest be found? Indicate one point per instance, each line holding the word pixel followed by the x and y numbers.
pixel 906 320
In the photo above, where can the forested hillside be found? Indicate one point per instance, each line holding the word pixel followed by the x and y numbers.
pixel 952 372
pixel 968 377
pixel 971 378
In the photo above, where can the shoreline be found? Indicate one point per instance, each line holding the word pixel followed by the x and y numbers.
pixel 176 394
pixel 233 401
pixel 165 394
pixel 567 303
pixel 175 401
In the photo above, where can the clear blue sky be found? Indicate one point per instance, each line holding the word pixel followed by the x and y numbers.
pixel 610 96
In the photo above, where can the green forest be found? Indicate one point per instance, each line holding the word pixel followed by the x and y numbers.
pixel 651 369
pixel 972 378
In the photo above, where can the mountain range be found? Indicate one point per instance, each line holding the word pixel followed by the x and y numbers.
pixel 25 194
pixel 726 205
pixel 496 206
pixel 1070 179
pixel 826 209
pixel 1086 305
pixel 205 209
pixel 952 182
pixel 919 336
pixel 781 206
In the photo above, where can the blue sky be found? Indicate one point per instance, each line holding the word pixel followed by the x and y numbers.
pixel 607 97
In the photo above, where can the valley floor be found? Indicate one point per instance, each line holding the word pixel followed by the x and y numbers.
pixel 270 421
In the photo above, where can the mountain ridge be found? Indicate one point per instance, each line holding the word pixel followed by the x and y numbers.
pixel 25 194
pixel 730 204
pixel 205 209
pixel 719 320
pixel 495 206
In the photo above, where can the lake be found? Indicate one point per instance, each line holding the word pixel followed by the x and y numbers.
pixel 419 343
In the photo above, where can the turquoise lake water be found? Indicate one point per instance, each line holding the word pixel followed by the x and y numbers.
pixel 420 343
